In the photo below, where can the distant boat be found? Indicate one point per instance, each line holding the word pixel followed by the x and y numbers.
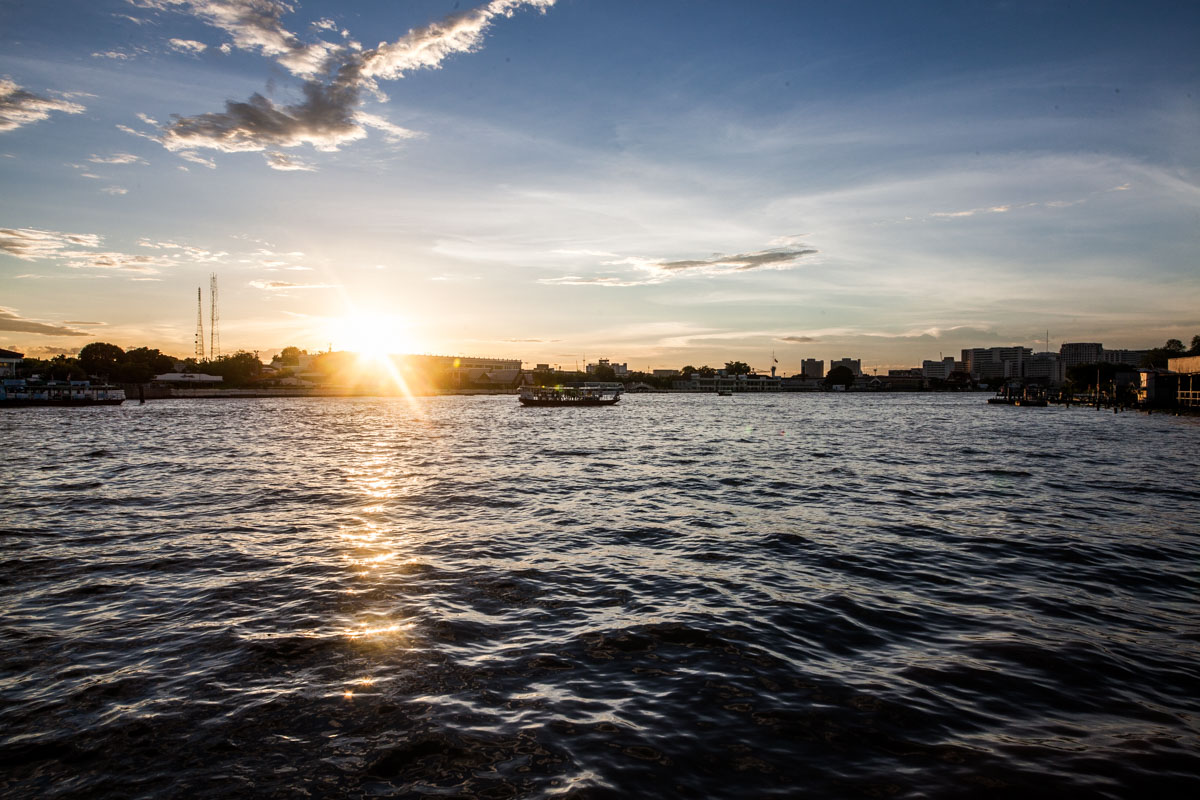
pixel 59 393
pixel 724 393
pixel 585 394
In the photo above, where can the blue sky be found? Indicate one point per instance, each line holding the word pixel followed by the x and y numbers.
pixel 660 183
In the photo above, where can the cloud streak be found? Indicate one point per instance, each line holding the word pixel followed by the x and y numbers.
pixel 658 271
pixel 19 107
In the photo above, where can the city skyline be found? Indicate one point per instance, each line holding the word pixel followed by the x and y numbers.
pixel 560 181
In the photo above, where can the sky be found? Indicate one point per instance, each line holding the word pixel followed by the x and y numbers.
pixel 659 183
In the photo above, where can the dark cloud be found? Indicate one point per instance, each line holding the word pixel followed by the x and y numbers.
pixel 11 321
pixel 796 339
pixel 19 107
pixel 325 119
pixel 336 75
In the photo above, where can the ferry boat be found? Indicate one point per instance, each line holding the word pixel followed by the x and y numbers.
pixel 20 392
pixel 578 394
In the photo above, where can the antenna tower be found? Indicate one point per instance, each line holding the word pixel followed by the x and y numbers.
pixel 199 327
pixel 214 335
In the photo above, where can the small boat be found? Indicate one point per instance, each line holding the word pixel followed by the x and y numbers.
pixel 58 393
pixel 583 394
pixel 724 393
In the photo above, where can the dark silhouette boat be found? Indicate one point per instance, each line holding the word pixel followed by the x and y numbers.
pixel 586 394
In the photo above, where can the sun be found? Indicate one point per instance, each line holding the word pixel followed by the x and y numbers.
pixel 372 335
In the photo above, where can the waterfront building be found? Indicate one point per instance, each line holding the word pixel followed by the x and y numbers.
pixel 665 373
pixel 813 368
pixel 1188 377
pixel 730 383
pixel 187 379
pixel 801 383
pixel 852 364
pixel 9 359
pixel 1072 354
pixel 989 363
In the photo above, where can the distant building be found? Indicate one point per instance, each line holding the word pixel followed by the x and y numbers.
pixel 665 373
pixel 852 364
pixel 812 368
pixel 1045 368
pixel 463 362
pixel 618 369
pixel 939 369
pixel 1072 354
pixel 1131 358
pixel 9 359
pixel 990 363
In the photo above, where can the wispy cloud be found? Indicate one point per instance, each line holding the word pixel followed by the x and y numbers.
pixel 796 339
pixel 286 163
pixel 117 158
pixel 116 191
pixel 19 107
pixel 285 286
pixel 187 46
pixel 328 116
pixel 10 320
pixel 29 244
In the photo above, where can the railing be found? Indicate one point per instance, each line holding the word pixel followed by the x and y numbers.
pixel 1188 398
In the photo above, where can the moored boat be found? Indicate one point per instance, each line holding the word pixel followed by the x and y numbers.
pixel 59 393
pixel 582 394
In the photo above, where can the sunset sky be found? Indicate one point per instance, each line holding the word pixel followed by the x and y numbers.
pixel 660 183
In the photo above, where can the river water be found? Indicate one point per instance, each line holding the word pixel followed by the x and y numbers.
pixel 680 596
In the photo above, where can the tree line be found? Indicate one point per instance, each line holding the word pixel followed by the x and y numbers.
pixel 108 362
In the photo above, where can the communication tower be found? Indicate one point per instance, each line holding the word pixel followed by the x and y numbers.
pixel 214 335
pixel 199 327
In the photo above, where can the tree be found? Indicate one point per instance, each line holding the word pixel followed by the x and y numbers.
pixel 1195 351
pixel 101 359
pixel 687 371
pixel 706 371
pixel 840 376
pixel 239 368
pixel 604 372
pixel 1172 349
pixel 737 368
pixel 290 356
pixel 142 363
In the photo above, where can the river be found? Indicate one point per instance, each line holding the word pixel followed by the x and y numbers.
pixel 680 596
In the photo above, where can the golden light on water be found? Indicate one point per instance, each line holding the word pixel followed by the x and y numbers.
pixel 365 631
